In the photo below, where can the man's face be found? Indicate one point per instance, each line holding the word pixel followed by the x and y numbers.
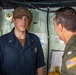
pixel 58 28
pixel 55 26
pixel 21 23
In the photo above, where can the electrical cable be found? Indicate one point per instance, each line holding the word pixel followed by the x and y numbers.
pixel 29 4
pixel 48 39
pixel 45 2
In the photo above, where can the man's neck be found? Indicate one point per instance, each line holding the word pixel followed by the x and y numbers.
pixel 20 35
pixel 68 35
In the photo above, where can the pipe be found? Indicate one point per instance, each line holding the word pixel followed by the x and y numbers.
pixel 48 39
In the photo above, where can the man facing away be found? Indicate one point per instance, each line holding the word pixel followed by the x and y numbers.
pixel 65 27
pixel 20 51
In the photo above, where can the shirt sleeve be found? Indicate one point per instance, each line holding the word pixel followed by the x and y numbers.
pixel 40 56
pixel 69 63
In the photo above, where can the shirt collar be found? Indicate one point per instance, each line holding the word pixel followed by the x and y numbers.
pixel 13 39
pixel 71 41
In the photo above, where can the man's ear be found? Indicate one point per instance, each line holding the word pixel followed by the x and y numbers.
pixel 60 27
pixel 13 20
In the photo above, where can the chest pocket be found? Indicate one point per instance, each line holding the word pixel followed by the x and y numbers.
pixel 34 49
pixel 34 46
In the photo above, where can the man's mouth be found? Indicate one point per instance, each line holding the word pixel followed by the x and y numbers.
pixel 23 25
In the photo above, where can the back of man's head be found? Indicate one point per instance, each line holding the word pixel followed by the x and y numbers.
pixel 67 17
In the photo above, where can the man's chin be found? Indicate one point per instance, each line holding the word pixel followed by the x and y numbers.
pixel 23 30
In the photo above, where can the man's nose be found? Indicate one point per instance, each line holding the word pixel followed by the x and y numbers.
pixel 24 20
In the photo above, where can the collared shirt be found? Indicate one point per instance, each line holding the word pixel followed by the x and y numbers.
pixel 18 60
pixel 69 57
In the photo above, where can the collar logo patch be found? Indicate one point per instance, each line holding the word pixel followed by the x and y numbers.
pixel 71 63
pixel 35 50
pixel 10 41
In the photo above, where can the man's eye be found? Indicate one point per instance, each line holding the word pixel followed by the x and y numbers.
pixel 27 17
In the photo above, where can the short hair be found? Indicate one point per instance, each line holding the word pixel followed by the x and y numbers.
pixel 67 17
